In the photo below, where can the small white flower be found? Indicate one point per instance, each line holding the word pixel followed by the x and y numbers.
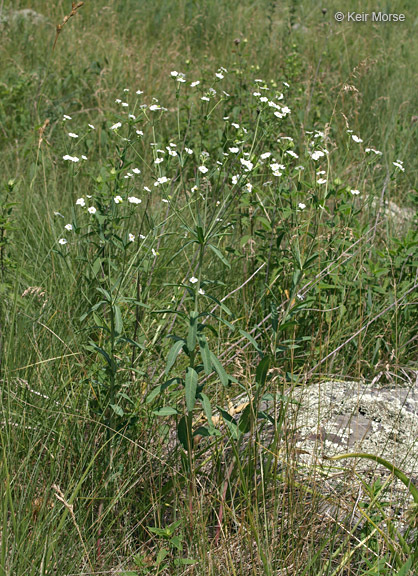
pixel 259 81
pixel 62 241
pixel 235 125
pixel 195 83
pixel 154 107
pixel 355 192
pixel 398 164
pixel 136 170
pixel 264 99
pixel 249 187
pixel 265 155
pixel 125 104
pixel 181 79
pixel 116 126
pixel 286 84
pixel 161 180
pixel 320 172
pixel 234 150
pixel 247 164
pixel 71 158
pixel 193 280
pixel 147 189
pixel 118 101
pixel 139 132
pixel 201 291
pixel 356 138
pixel 126 89
pixel 134 200
pixel 205 99
pixel 158 160
pixel 172 152
pixel 80 202
pixel 92 127
pixel 194 188
pixel 139 92
pixel 83 157
pixel 277 167
pixel 132 116
pixel 188 150
pixel 66 117
pixel 322 181
pixel 317 154
pixel 377 152
pixel 68 227
pixel 235 180
pixel 154 253
pixel 58 214
pixel 92 210
pixel 117 199
pixel 131 237
pixel 286 110
pixel 278 114
pixel 203 169
pixel 174 74
pixel 291 153
pixel 256 93
pixel 301 205
pixel 219 75
pixel 299 168
pixel 164 200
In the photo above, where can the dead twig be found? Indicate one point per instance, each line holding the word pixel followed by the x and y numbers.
pixel 75 7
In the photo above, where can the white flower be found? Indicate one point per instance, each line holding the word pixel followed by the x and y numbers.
pixel 301 205
pixel 131 237
pixel 377 152
pixel 71 158
pixel 174 74
pixel 189 150
pixel 181 78
pixel 147 189
pixel 92 127
pixel 126 89
pixel 172 152
pixel 205 98
pixel 58 214
pixel 136 170
pixel 92 210
pixel 164 200
pixel 319 134
pixel 139 132
pixel 62 241
pixel 80 202
pixel 83 157
pixel 235 180
pixel 118 101
pixel 286 110
pixel 299 168
pixel 286 84
pixel 116 126
pixel 132 116
pixel 278 114
pixel 356 138
pixel 117 199
pixel 125 104
pixel 68 227
pixel 277 167
pixel 162 180
pixel 193 280
pixel 247 164
pixel 259 81
pixel 277 173
pixel 249 187
pixel 291 153
pixel 280 96
pixel 154 107
pixel 139 92
pixel 320 172
pixel 234 150
pixel 158 160
pixel 317 154
pixel 66 117
pixel 355 192
pixel 201 292
pixel 265 155
pixel 154 253
pixel 219 75
pixel 398 164
pixel 322 181
pixel 264 99
pixel 235 125
pixel 134 200
pixel 256 93
pixel 203 169
pixel 195 83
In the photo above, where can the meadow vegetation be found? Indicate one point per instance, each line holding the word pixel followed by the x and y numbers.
pixel 200 201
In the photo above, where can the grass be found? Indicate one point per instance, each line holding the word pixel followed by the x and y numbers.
pixel 121 358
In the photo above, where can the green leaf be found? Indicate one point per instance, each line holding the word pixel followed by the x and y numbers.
pixel 205 353
pixel 190 388
pixel 191 336
pixel 261 372
pixel 118 319
pixel 219 369
pixel 117 409
pixel 251 339
pixel 182 433
pixel 219 254
pixel 230 422
pixel 165 411
pixel 207 408
pixel 172 355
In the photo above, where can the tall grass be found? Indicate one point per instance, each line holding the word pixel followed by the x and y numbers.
pixel 127 336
